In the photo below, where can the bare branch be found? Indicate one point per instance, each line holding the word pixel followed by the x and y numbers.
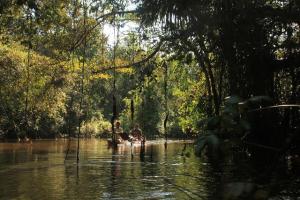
pixel 157 49
pixel 99 20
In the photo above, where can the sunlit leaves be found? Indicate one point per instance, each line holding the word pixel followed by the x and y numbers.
pixel 100 76
pixel 128 70
pixel 30 80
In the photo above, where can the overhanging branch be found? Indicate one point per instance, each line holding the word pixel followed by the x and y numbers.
pixel 99 20
pixel 157 48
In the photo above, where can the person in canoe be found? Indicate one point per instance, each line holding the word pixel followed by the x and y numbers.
pixel 136 134
pixel 119 132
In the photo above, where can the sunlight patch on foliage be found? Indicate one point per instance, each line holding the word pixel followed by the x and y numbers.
pixel 100 76
pixel 128 70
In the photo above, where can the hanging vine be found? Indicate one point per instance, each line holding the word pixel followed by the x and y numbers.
pixel 28 66
pixel 165 65
pixel 114 99
pixel 82 81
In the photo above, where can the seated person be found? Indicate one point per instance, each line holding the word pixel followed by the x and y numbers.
pixel 136 133
pixel 118 132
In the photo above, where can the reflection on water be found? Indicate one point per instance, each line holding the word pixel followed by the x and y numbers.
pixel 38 171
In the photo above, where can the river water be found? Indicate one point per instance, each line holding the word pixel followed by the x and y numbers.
pixel 39 171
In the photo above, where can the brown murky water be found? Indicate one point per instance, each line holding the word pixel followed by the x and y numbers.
pixel 38 171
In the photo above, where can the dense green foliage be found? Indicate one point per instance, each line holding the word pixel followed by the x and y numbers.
pixel 243 47
pixel 57 74
pixel 58 67
pixel 47 86
pixel 218 71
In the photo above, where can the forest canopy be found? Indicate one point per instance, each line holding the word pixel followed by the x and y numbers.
pixel 170 73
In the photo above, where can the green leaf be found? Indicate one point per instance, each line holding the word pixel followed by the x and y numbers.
pixel 232 100
pixel 212 122
pixel 245 124
pixel 260 98
pixel 208 139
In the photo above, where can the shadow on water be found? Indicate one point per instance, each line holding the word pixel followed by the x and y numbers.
pixel 38 171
